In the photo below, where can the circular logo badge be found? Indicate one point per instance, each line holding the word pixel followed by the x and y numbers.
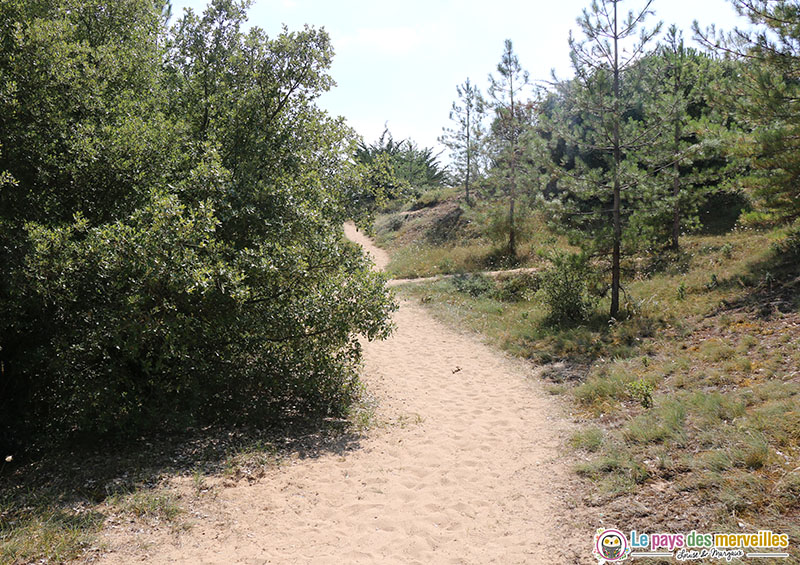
pixel 611 545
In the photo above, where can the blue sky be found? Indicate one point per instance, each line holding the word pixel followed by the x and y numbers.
pixel 399 62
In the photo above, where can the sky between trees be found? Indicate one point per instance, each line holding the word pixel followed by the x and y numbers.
pixel 399 62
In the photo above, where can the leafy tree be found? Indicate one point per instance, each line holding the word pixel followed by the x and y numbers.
pixel 380 187
pixel 171 239
pixel 412 167
pixel 85 137
pixel 512 115
pixel 76 126
pixel 600 121
pixel 465 140
pixel 766 95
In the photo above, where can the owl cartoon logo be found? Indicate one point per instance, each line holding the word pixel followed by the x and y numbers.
pixel 610 546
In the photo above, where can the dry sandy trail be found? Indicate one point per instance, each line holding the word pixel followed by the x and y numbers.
pixel 467 469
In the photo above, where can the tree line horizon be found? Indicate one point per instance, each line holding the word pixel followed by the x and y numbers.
pixel 623 155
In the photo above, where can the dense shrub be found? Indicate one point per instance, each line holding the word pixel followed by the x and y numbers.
pixel 517 287
pixel 475 285
pixel 564 287
pixel 170 227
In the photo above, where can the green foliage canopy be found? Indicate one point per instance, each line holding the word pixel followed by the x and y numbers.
pixel 766 95
pixel 170 227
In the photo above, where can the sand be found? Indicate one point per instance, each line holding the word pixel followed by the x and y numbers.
pixel 466 465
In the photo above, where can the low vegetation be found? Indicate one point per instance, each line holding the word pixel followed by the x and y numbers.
pixel 448 237
pixel 689 403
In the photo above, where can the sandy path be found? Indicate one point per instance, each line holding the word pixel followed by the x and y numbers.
pixel 378 255
pixel 466 470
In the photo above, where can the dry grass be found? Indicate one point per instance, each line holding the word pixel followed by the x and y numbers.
pixel 451 238
pixel 692 406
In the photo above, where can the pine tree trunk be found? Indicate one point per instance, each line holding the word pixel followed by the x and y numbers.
pixel 615 256
pixel 466 183
pixel 512 232
pixel 676 190
pixel 469 154
pixel 676 178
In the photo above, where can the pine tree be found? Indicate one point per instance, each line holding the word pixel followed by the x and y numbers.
pixel 599 119
pixel 511 118
pixel 687 162
pixel 766 94
pixel 464 141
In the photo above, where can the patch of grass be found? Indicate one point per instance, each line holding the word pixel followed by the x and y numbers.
pixel 615 472
pixel 746 343
pixel 779 420
pixel 776 390
pixel 432 198
pixel 151 504
pixel 474 285
pixel 713 408
pixel 426 260
pixel 522 328
pixel 664 424
pixel 253 461
pixel 715 461
pixel 449 238
pixel 50 533
pixel 756 452
pixel 590 439
pixel 743 491
pixel 517 287
pixel 602 391
pixel 715 350
pixel 787 490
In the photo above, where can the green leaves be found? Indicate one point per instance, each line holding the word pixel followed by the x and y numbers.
pixel 399 168
pixel 171 252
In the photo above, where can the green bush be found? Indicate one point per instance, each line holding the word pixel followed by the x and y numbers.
pixel 788 248
pixel 167 258
pixel 641 391
pixel 517 288
pixel 428 199
pixel 564 287
pixel 474 285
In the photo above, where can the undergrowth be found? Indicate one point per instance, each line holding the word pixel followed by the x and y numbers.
pixel 439 234
pixel 691 401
